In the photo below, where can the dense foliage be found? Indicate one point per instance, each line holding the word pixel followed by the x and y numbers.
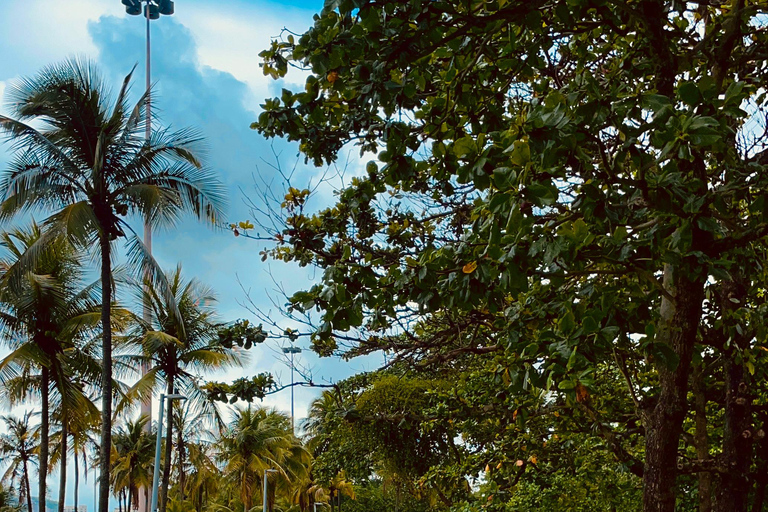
pixel 565 212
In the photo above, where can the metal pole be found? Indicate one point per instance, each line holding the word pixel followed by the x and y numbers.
pixel 156 475
pixel 264 500
pixel 146 407
pixel 293 428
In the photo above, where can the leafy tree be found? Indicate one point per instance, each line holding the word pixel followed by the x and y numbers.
pixel 89 163
pixel 563 193
pixel 19 446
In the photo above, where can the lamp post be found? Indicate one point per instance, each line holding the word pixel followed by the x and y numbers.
pixel 156 475
pixel 292 350
pixel 264 500
pixel 152 11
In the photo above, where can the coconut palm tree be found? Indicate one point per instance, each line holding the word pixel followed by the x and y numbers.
pixel 132 459
pixel 180 343
pixel 257 439
pixel 19 449
pixel 203 478
pixel 44 321
pixel 89 163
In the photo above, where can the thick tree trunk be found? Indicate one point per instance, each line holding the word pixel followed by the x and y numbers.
pixel 44 427
pixel 27 487
pixel 168 447
pixel 63 463
pixel 106 372
pixel 761 475
pixel 732 492
pixel 701 439
pixel 677 328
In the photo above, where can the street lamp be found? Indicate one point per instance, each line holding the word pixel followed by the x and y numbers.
pixel 264 501
pixel 156 475
pixel 152 11
pixel 292 350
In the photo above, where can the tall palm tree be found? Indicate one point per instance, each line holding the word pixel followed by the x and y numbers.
pixel 43 320
pixel 18 447
pixel 181 342
pixel 257 439
pixel 89 163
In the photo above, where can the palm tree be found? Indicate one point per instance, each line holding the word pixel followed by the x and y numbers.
pixel 204 477
pixel 18 447
pixel 255 440
pixel 8 502
pixel 44 320
pixel 90 163
pixel 132 459
pixel 181 342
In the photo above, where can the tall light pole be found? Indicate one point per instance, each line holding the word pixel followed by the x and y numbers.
pixel 264 500
pixel 292 350
pixel 156 474
pixel 152 11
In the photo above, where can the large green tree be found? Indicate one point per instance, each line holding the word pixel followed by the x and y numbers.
pixel 561 189
pixel 82 154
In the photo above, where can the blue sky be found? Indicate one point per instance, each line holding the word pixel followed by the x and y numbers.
pixel 205 69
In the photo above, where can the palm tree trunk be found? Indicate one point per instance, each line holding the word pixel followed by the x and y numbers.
pixel 44 426
pixel 168 447
pixel 106 372
pixel 77 475
pixel 63 464
pixel 27 487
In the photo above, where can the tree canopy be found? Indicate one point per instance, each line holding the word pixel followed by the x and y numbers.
pixel 565 205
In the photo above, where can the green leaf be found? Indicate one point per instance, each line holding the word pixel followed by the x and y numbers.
pixel 519 153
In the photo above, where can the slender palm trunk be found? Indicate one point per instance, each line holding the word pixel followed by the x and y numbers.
pixel 63 464
pixel 106 372
pixel 42 474
pixel 168 447
pixel 77 475
pixel 27 487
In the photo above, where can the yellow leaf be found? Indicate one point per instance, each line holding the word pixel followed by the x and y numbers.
pixel 498 466
pixel 469 267
pixel 487 468
pixel 533 459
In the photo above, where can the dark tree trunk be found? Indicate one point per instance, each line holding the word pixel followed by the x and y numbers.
pixel 732 492
pixel 106 372
pixel 168 447
pixel 761 477
pixel 701 439
pixel 77 474
pixel 44 427
pixel 63 463
pixel 677 328
pixel 27 487
pixel 180 448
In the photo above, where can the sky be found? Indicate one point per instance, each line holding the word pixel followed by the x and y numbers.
pixel 206 75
